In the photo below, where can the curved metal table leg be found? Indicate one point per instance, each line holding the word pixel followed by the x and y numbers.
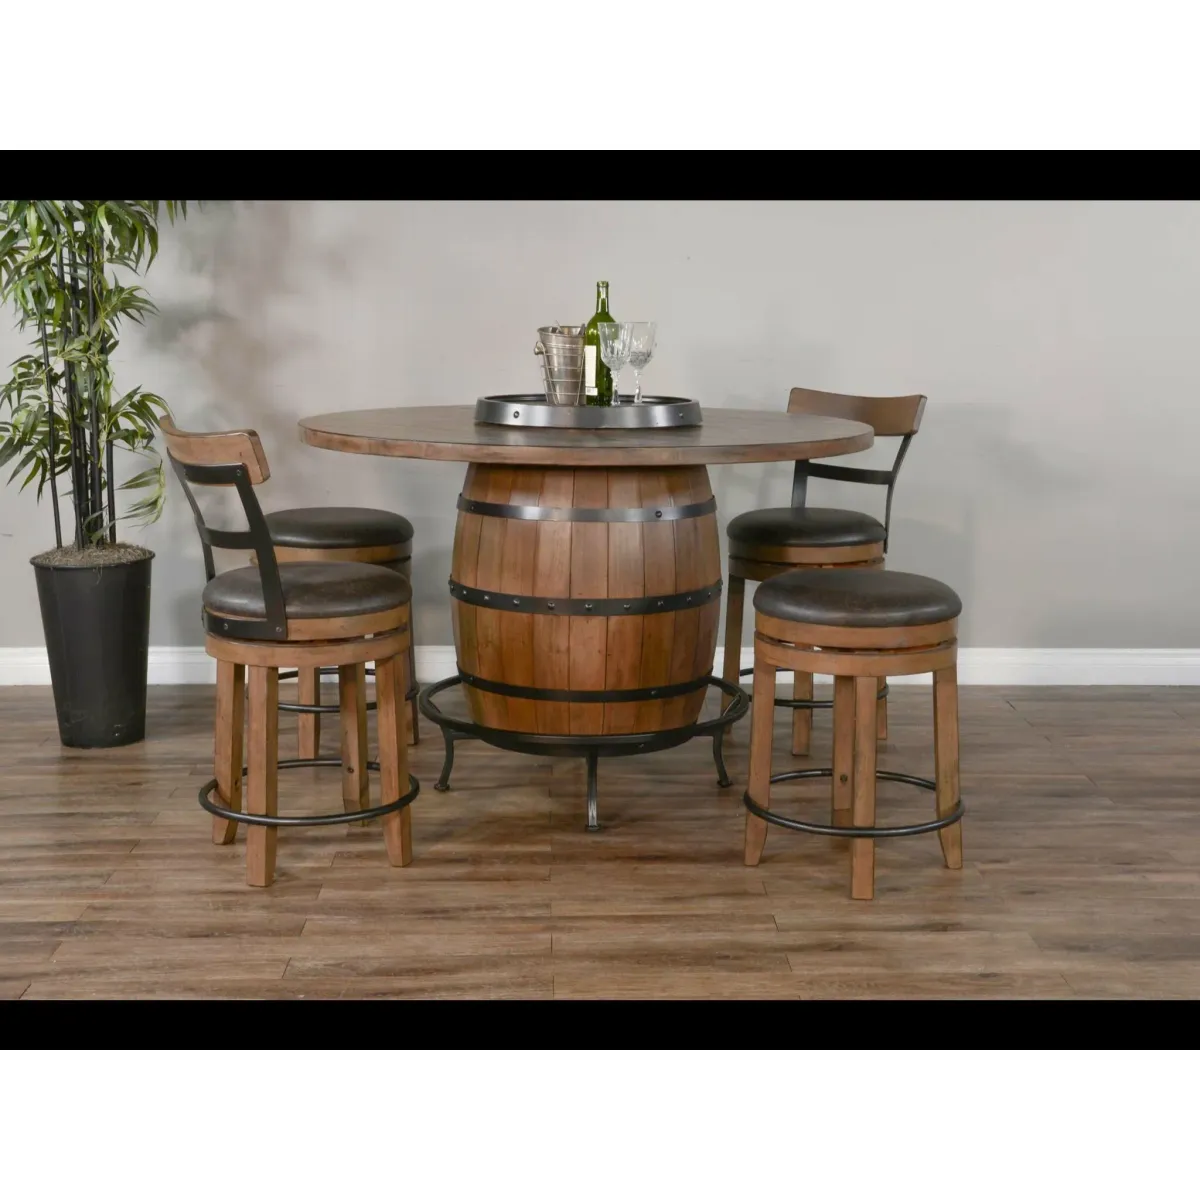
pixel 593 793
pixel 443 783
pixel 718 740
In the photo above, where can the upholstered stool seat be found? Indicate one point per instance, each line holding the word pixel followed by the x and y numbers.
pixel 312 591
pixel 340 529
pixel 862 599
pixel 337 534
pixel 858 625
pixel 805 527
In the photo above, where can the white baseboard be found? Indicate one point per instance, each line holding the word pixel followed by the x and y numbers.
pixel 977 665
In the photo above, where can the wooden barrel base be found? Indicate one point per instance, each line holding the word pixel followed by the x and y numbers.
pixel 585 600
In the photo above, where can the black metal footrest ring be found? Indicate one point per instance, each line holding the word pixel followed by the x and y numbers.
pixel 602 743
pixel 810 704
pixel 342 818
pixel 413 692
pixel 854 831
pixel 455 729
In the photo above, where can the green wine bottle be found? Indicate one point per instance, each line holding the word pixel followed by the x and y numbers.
pixel 597 378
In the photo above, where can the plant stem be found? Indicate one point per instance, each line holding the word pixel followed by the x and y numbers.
pixel 79 492
pixel 52 436
pixel 112 495
pixel 95 462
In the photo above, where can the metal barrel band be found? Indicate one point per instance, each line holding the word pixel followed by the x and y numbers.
pixel 342 818
pixel 883 694
pixel 589 746
pixel 575 606
pixel 666 691
pixel 854 831
pixel 614 516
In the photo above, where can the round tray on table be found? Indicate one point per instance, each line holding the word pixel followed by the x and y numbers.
pixel 534 412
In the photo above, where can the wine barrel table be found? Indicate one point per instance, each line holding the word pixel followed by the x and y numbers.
pixel 585 583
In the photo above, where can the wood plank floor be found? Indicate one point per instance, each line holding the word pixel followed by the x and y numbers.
pixel 1082 874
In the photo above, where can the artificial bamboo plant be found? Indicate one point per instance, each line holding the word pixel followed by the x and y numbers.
pixel 65 266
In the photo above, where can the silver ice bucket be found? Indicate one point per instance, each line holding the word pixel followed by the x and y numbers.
pixel 561 348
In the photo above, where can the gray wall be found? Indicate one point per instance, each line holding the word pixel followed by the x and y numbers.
pixel 1052 483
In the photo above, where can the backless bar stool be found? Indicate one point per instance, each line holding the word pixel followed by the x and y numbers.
pixel 858 626
pixel 337 534
pixel 769 541
pixel 298 614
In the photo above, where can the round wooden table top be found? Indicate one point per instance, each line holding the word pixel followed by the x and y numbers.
pixel 448 433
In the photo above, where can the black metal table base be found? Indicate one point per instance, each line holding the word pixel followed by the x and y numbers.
pixel 341 818
pixel 854 831
pixel 589 747
pixel 413 692
pixel 811 704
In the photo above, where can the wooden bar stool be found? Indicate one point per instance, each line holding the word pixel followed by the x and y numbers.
pixel 296 614
pixel 767 542
pixel 858 626
pixel 342 534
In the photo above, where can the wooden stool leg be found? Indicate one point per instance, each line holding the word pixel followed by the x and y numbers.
pixel 945 748
pixel 414 729
pixel 862 850
pixel 390 686
pixel 735 602
pixel 762 727
pixel 843 751
pixel 802 689
pixel 308 681
pixel 262 792
pixel 352 703
pixel 227 752
pixel 881 728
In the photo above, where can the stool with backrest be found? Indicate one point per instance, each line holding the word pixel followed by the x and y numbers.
pixel 293 614
pixel 858 626
pixel 769 541
pixel 342 534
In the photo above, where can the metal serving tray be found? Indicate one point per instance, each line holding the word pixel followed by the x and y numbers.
pixel 533 412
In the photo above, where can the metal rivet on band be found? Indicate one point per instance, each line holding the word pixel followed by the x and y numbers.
pixel 587 606
pixel 689 599
pixel 625 606
pixel 486 596
pixel 658 512
pixel 516 602
pixel 549 603
pixel 516 412
pixel 660 604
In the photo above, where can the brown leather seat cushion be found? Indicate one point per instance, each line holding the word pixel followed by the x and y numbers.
pixel 337 528
pixel 311 591
pixel 805 527
pixel 856 596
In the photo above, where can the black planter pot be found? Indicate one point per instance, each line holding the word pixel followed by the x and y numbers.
pixel 97 626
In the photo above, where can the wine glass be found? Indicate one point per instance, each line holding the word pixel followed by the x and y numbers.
pixel 614 348
pixel 641 351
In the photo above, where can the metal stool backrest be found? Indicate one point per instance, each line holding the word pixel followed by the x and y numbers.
pixel 233 459
pixel 889 416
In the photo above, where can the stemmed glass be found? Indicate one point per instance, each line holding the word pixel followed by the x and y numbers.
pixel 641 351
pixel 614 348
